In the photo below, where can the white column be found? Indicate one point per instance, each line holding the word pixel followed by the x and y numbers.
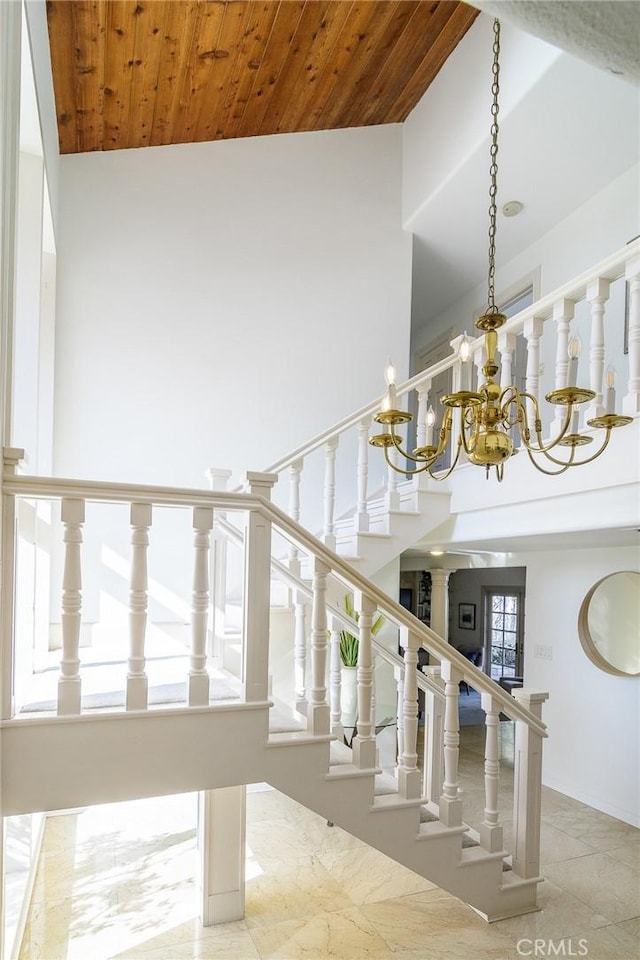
pixel 300 651
pixel 69 684
pixel 409 778
pixel 527 787
pixel 318 716
pixel 364 743
pixel 450 802
pixel 433 737
pixel 137 682
pixel 218 480
pixel 362 514
pixel 257 592
pixel 533 328
pixel 422 479
pixel 198 674
pixel 392 498
pixel 398 675
pixel 335 680
pixel 507 348
pixel 221 854
pixel 563 314
pixel 295 470
pixel 631 402
pixel 440 602
pixel 597 295
pixel 490 831
pixel 11 457
pixel 330 448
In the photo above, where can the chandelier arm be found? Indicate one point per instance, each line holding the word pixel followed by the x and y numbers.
pixel 542 448
pixel 451 468
pixel 405 470
pixel 581 463
pixel 552 473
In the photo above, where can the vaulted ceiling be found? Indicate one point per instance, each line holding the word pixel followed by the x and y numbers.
pixel 134 73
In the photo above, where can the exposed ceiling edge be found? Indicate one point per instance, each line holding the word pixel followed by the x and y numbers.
pixel 602 32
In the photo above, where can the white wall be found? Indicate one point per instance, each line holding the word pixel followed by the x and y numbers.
pixel 593 748
pixel 220 303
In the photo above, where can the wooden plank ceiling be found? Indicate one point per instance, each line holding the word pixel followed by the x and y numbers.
pixel 137 73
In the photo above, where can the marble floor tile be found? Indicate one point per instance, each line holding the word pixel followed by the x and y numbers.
pixel 607 886
pixel 596 829
pixel 367 875
pixel 436 926
pixel 65 873
pixel 228 941
pixel 607 943
pixel 332 936
pixel 560 915
pixel 306 888
pixel 554 844
pixel 632 927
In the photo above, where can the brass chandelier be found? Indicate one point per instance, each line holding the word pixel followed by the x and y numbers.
pixel 489 417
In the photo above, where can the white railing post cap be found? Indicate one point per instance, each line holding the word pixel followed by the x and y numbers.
pixel 260 483
pixel 218 477
pixel 12 456
pixel 529 698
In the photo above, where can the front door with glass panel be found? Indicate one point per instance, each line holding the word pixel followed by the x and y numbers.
pixel 503 633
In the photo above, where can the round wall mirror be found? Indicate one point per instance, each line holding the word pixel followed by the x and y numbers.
pixel 609 624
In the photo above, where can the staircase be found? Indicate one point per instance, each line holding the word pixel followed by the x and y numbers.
pixel 268 623
pixel 73 755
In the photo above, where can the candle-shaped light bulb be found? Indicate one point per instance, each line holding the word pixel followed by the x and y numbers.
pixel 431 419
pixel 610 408
pixel 464 352
pixel 575 346
pixel 390 377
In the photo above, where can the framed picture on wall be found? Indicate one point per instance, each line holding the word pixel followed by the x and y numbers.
pixel 467 616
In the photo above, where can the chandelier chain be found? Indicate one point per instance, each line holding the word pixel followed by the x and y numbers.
pixel 493 169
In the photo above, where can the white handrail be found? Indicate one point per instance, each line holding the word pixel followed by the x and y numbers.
pixel 48 487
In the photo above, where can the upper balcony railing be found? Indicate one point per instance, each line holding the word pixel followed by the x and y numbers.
pixel 602 305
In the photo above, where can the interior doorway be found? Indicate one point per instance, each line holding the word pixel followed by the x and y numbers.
pixel 503 634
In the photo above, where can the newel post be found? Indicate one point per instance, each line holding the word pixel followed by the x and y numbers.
pixel 257 591
pixel 527 786
pixel 218 480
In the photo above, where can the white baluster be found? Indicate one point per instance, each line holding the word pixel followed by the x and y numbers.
pixel 409 778
pixel 398 674
pixel 450 802
pixel 69 684
pixel 597 295
pixel 533 328
pixel 563 314
pixel 300 652
pixel 631 402
pixel 364 743
pixel 479 360
pixel 295 470
pixel 490 831
pixel 198 674
pixel 527 788
pixel 392 499
pixel 218 480
pixel 257 592
pixel 433 737
pixel 137 682
pixel 11 457
pixel 318 716
pixel 507 348
pixel 335 680
pixel 422 390
pixel 330 492
pixel 362 513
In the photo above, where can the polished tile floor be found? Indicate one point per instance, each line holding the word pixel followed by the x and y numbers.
pixel 118 881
